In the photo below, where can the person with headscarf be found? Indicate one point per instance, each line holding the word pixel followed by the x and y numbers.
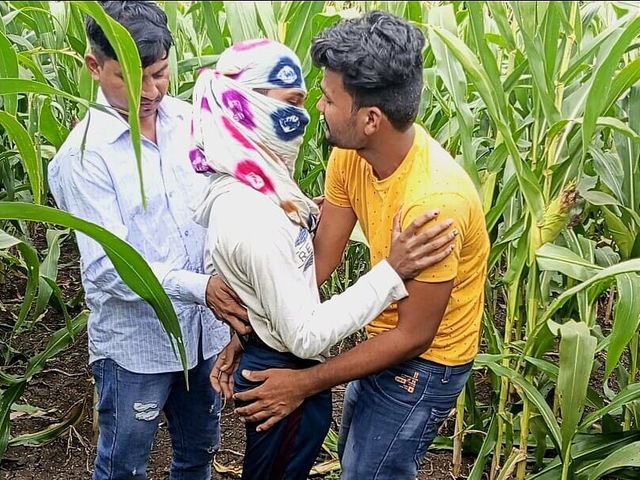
pixel 247 130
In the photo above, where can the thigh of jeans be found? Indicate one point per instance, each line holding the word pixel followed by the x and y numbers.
pixel 129 406
pixel 194 422
pixel 396 418
pixel 351 396
pixel 287 450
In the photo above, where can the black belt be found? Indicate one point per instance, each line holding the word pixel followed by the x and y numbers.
pixel 253 339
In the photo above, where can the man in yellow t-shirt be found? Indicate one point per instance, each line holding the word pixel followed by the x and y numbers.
pixel 427 178
pixel 406 377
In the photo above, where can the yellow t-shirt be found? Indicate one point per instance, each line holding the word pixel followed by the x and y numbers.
pixel 427 179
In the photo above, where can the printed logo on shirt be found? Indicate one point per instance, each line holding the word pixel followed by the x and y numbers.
pixel 304 249
pixel 302 236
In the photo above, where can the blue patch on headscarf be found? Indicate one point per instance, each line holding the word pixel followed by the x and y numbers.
pixel 289 122
pixel 286 74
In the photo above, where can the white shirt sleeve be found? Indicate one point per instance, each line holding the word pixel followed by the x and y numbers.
pixel 84 188
pixel 305 326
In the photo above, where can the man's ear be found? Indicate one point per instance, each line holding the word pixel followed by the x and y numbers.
pixel 373 120
pixel 93 65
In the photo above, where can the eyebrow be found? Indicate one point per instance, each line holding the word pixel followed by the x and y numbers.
pixel 161 70
pixel 324 92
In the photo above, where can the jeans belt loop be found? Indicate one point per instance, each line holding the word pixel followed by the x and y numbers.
pixel 447 375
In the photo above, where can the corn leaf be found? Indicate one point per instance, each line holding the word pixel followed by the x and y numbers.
pixel 8 69
pixel 577 349
pixel 599 91
pixel 129 60
pixel 627 456
pixel 560 259
pixel 134 270
pixel 626 319
pixel 32 164
pixel 73 416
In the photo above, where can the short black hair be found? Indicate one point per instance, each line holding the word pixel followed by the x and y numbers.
pixel 145 21
pixel 380 58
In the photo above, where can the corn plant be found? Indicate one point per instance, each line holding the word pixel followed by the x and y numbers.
pixel 534 98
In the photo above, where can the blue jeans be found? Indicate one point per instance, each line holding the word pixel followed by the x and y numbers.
pixel 129 408
pixel 389 419
pixel 287 450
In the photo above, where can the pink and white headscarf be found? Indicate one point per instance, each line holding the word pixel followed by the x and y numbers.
pixel 254 138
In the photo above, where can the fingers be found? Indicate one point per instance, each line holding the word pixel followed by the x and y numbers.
pixel 238 325
pixel 254 393
pixel 433 241
pixel 223 301
pixel 255 412
pixel 420 222
pixel 226 384
pixel 239 312
pixel 258 416
pixel 213 378
pixel 248 396
pixel 431 259
pixel 268 424
pixel 257 377
pixel 229 291
pixel 215 383
pixel 437 229
pixel 216 313
pixel 397 227
pixel 221 365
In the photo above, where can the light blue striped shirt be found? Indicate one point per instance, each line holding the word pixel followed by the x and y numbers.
pixel 101 185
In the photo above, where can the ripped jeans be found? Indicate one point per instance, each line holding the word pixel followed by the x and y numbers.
pixel 129 408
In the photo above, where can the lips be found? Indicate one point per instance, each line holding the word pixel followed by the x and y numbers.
pixel 147 104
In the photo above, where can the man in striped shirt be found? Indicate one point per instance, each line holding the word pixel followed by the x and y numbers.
pixel 136 371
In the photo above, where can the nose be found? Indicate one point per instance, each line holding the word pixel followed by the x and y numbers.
pixel 149 89
pixel 320 104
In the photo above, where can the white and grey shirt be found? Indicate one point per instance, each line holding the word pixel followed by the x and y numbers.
pixel 269 262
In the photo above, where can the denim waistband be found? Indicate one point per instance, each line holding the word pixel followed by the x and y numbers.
pixel 270 358
pixel 434 367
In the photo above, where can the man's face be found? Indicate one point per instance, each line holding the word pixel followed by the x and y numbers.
pixel 343 126
pixel 155 83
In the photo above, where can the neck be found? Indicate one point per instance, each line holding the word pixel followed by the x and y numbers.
pixel 148 126
pixel 386 154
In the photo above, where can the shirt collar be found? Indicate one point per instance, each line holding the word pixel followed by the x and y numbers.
pixel 111 125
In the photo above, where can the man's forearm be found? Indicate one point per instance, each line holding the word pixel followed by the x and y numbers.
pixel 326 263
pixel 372 356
